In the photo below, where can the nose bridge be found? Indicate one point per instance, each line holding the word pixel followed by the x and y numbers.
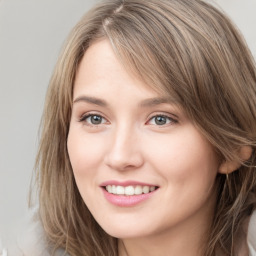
pixel 124 151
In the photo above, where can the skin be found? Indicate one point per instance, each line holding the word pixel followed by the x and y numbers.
pixel 128 144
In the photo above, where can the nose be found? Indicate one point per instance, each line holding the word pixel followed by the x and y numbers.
pixel 124 151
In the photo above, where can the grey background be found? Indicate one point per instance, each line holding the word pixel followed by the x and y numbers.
pixel 31 35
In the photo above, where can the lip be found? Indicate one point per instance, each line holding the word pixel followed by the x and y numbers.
pixel 126 201
pixel 126 183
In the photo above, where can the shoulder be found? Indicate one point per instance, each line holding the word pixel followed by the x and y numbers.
pixel 32 241
pixel 251 237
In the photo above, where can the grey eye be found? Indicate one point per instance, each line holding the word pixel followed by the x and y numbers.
pixel 160 120
pixel 94 119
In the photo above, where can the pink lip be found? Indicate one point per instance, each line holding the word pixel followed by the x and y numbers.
pixel 125 201
pixel 125 183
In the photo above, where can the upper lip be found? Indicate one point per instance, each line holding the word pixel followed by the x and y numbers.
pixel 126 183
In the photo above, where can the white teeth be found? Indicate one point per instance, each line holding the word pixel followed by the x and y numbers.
pixel 129 190
pixel 145 189
pixel 138 190
pixel 120 190
pixel 113 189
pixel 109 188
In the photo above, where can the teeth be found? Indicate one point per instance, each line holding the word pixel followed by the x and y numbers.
pixel 109 188
pixel 129 190
pixel 145 189
pixel 152 188
pixel 113 189
pixel 138 190
pixel 120 190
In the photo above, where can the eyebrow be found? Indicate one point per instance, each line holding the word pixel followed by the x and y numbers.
pixel 145 103
pixel 156 101
pixel 92 100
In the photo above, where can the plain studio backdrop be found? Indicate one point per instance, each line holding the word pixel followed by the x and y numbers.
pixel 31 35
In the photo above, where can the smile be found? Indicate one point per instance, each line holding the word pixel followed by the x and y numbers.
pixel 129 190
pixel 127 194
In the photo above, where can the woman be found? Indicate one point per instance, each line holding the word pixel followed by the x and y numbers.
pixel 149 135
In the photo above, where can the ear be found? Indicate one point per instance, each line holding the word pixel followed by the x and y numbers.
pixel 244 154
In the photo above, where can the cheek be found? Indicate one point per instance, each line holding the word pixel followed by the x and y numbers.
pixel 188 166
pixel 184 158
pixel 85 158
pixel 84 153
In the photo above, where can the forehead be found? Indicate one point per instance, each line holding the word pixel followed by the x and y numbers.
pixel 101 67
pixel 103 81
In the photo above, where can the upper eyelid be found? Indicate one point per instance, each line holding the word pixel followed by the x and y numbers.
pixel 172 116
pixel 83 118
pixel 167 117
pixel 92 113
pixel 173 119
pixel 164 114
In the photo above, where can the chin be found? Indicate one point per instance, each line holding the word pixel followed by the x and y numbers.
pixel 126 231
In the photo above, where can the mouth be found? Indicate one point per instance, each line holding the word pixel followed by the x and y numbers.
pixel 127 193
pixel 130 190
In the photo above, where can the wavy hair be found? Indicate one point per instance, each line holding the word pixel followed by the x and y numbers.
pixel 185 48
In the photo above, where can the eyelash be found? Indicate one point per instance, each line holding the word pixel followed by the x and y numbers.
pixel 86 116
pixel 166 117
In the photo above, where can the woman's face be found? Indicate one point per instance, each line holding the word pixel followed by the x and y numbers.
pixel 141 166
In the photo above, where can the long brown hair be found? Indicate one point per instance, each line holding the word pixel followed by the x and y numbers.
pixel 185 48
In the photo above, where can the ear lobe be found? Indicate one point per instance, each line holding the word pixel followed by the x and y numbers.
pixel 229 167
pixel 244 154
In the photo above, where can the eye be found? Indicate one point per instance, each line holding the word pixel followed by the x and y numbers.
pixel 161 120
pixel 93 119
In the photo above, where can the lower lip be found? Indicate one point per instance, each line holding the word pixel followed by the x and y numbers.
pixel 126 201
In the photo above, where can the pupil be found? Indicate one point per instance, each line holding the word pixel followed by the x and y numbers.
pixel 96 119
pixel 160 120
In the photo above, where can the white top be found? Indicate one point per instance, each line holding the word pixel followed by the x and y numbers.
pixel 33 244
